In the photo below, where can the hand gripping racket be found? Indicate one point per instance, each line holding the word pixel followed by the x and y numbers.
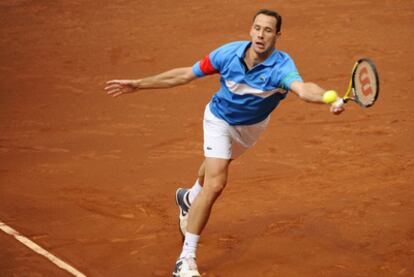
pixel 363 87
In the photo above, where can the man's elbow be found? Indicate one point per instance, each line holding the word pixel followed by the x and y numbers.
pixel 187 76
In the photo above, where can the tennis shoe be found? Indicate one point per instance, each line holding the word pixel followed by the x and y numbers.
pixel 186 267
pixel 183 203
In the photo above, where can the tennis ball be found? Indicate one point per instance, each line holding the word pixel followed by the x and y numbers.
pixel 329 96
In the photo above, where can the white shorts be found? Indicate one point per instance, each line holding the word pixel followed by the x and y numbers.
pixel 225 141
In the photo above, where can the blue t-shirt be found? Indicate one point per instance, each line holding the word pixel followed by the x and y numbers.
pixel 247 96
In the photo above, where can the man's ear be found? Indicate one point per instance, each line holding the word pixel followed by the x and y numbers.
pixel 251 32
pixel 278 34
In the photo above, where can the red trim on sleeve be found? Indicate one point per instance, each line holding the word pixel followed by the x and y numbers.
pixel 206 66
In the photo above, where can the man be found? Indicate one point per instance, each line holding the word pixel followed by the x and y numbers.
pixel 255 77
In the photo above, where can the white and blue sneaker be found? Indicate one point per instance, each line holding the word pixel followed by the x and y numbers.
pixel 186 267
pixel 183 203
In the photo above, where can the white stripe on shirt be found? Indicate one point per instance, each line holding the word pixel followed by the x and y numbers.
pixel 242 89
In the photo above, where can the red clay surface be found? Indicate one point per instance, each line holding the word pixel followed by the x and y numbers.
pixel 92 178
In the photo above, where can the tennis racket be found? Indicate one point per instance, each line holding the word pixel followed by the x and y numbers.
pixel 363 87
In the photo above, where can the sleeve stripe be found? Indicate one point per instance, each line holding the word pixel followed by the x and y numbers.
pixel 287 80
pixel 206 66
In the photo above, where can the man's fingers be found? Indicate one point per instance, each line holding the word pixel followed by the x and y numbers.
pixel 337 110
pixel 114 91
pixel 112 82
pixel 117 94
pixel 117 87
pixel 120 82
pixel 113 86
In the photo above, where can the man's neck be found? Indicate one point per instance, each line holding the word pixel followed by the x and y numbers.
pixel 251 58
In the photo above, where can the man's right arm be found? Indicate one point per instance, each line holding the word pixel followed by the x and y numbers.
pixel 168 79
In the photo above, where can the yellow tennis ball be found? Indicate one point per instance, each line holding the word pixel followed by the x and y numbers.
pixel 329 96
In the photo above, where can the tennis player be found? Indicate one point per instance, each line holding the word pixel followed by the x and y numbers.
pixel 255 77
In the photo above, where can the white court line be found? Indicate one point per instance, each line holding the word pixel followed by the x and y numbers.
pixel 36 248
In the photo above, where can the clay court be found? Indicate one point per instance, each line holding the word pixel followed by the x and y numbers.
pixel 92 179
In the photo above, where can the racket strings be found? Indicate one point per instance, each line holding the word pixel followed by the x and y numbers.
pixel 366 83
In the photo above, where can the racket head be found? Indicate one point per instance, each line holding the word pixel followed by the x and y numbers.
pixel 365 83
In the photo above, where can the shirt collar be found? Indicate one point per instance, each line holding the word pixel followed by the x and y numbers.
pixel 242 49
pixel 270 61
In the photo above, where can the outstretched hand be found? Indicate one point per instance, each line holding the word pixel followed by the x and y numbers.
pixel 118 87
pixel 337 107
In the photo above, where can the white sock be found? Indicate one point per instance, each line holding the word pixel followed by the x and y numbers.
pixel 194 191
pixel 190 244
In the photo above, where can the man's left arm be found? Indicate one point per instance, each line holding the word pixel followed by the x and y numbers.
pixel 313 93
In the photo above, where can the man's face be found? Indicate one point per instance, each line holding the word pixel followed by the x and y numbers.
pixel 263 34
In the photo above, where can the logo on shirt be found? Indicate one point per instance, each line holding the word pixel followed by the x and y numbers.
pixel 209 148
pixel 262 78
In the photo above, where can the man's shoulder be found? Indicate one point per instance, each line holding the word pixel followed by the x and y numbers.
pixel 283 56
pixel 279 59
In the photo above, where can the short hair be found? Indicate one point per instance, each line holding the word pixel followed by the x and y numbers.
pixel 274 14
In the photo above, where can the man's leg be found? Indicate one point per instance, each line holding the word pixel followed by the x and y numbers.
pixel 184 197
pixel 216 172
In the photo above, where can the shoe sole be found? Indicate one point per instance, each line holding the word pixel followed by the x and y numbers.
pixel 186 272
pixel 177 275
pixel 195 274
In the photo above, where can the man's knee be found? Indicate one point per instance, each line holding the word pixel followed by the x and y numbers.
pixel 215 188
pixel 216 171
